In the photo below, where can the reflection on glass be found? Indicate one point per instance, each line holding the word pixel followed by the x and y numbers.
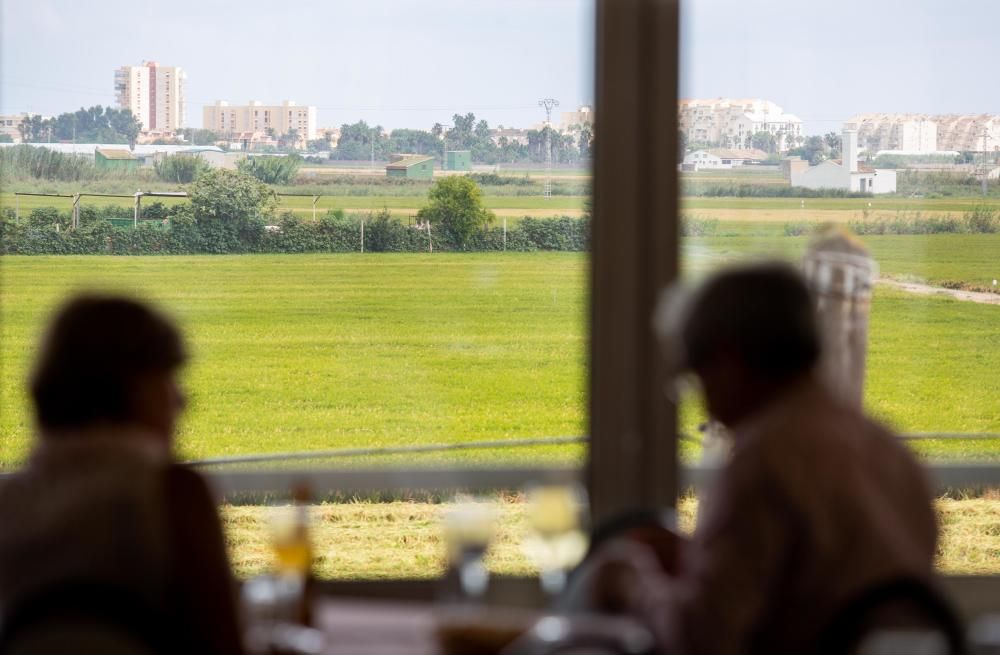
pixel 556 540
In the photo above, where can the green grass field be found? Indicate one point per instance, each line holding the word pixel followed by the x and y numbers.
pixel 302 352
pixel 293 353
pixel 305 352
pixel 935 259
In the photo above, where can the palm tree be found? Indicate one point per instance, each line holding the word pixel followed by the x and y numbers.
pixel 289 139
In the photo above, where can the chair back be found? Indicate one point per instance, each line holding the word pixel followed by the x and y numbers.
pixel 66 617
pixel 902 615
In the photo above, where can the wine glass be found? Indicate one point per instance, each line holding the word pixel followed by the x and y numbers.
pixel 556 540
pixel 469 526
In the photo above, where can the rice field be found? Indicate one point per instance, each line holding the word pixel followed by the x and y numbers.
pixel 301 352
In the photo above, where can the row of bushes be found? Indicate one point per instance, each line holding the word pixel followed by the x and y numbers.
pixel 335 232
pixel 765 191
pixel 981 220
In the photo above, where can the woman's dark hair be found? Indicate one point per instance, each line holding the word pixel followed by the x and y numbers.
pixel 94 351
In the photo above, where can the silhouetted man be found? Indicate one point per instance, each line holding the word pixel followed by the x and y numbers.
pixel 816 503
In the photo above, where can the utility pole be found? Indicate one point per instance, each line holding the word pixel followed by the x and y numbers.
pixel 548 104
pixel 985 172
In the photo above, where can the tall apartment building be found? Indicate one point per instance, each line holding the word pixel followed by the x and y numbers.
pixel 923 133
pixel 731 123
pixel 153 93
pixel 256 117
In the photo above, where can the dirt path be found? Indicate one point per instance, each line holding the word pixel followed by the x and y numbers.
pixel 928 290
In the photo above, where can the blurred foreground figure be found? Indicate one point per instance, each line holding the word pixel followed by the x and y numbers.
pixel 106 545
pixel 816 505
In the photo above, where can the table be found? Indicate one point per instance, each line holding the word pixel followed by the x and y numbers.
pixel 355 627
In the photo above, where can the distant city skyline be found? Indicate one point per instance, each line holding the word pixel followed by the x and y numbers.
pixel 405 63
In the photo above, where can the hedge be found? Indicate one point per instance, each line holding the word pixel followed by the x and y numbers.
pixel 698 188
pixel 46 232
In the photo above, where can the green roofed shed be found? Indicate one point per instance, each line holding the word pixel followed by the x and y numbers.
pixel 114 159
pixel 413 167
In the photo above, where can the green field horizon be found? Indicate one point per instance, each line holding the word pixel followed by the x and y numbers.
pixel 308 352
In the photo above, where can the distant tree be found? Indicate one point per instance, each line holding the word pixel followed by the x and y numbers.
pixel 564 148
pixel 181 168
pixel 456 206
pixel 31 129
pixel 414 141
pixel 833 144
pixel 317 145
pixel 585 141
pixel 482 131
pixel 872 143
pixel 271 170
pixel 764 141
pixel 96 124
pixel 356 142
pixel 6 138
pixel 467 134
pixel 200 137
pixel 225 195
pixel 682 142
pixel 511 151
pixel 289 140
pixel 813 149
pixel 123 122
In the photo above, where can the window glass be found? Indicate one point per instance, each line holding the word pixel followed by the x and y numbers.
pixel 905 160
pixel 356 312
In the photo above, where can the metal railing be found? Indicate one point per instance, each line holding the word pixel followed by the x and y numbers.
pixel 324 480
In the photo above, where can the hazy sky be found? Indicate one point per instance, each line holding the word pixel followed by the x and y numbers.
pixel 826 60
pixel 409 63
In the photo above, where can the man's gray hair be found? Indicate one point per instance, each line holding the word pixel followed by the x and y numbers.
pixel 762 312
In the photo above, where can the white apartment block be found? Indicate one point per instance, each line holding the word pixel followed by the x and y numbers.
pixel 256 117
pixel 153 93
pixel 731 123
pixel 926 133
pixel 900 132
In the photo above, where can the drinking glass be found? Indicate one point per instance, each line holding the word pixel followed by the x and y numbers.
pixel 292 558
pixel 556 540
pixel 469 526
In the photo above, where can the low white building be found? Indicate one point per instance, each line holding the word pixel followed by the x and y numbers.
pixel 703 159
pixel 721 158
pixel 845 174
